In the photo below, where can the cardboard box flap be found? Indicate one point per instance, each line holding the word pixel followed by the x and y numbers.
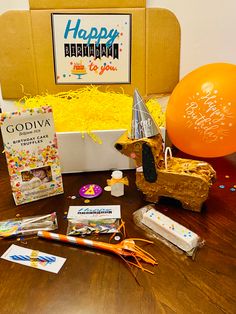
pixel 27 57
pixel 162 51
pixel 85 4
pixel 17 66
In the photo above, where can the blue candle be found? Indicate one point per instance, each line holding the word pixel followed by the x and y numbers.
pixel 27 258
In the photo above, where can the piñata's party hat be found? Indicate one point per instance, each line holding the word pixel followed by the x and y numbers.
pixel 142 124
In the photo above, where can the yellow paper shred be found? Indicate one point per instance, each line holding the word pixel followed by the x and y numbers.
pixel 89 109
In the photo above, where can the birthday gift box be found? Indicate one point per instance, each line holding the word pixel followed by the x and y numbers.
pixel 57 47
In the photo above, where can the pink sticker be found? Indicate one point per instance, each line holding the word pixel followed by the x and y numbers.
pixel 133 155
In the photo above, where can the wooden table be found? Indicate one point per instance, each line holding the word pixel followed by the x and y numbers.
pixel 96 282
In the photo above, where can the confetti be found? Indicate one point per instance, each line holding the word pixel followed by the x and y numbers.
pixel 107 188
pixel 73 197
pixel 221 186
pixel 227 177
pixel 232 189
pixel 86 201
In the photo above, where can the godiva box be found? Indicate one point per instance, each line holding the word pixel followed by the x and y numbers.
pixel 30 147
pixel 57 46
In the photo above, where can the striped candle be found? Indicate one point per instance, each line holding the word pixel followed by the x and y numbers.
pixel 27 258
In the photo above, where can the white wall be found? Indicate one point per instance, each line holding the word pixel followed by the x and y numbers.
pixel 13 5
pixel 208 29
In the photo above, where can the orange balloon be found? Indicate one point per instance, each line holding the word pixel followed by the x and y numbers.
pixel 201 112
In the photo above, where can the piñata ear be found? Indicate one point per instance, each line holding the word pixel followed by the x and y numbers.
pixel 148 161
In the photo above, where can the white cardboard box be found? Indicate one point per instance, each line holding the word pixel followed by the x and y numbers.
pixel 79 153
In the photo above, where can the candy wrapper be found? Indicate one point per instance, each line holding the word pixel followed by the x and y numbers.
pixel 163 228
pixel 86 220
pixel 28 225
pixel 87 227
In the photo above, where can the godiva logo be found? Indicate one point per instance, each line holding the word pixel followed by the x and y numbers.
pixel 28 126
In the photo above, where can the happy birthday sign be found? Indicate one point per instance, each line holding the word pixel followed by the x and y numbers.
pixel 91 48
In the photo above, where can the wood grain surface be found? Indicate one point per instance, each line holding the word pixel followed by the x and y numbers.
pixel 96 282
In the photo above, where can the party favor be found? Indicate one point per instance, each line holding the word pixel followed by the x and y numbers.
pixel 85 220
pixel 27 225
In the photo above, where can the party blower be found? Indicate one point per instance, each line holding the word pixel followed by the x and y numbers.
pixel 126 249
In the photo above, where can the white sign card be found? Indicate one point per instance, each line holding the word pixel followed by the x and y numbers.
pixel 91 48
pixel 33 258
pixel 94 212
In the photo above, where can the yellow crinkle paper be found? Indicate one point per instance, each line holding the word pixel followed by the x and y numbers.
pixel 90 109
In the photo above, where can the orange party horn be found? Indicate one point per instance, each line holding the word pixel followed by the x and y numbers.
pixel 125 249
